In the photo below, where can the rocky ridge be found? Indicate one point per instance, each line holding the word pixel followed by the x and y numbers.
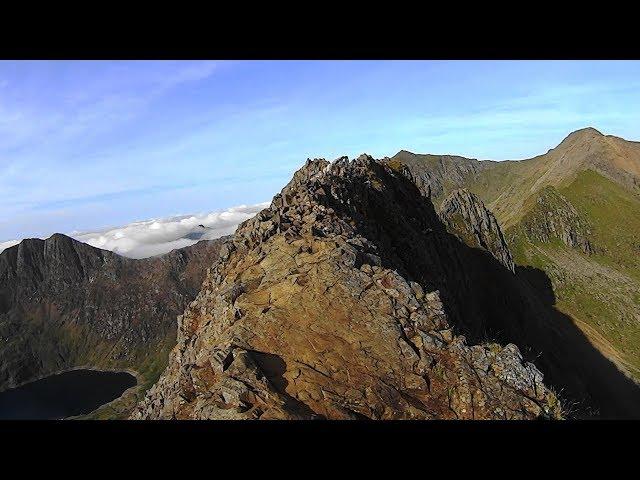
pixel 323 306
pixel 444 173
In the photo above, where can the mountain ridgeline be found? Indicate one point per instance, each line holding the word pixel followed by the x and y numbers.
pixel 411 287
pixel 340 301
pixel 573 213
pixel 353 296
pixel 65 304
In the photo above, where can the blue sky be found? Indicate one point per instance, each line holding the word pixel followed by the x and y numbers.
pixel 86 145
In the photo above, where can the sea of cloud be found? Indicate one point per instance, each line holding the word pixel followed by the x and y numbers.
pixel 158 236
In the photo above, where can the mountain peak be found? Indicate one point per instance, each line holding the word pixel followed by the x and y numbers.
pixel 587 131
pixel 582 135
pixel 60 237
pixel 403 152
pixel 613 157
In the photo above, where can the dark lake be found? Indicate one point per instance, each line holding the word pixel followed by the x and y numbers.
pixel 63 395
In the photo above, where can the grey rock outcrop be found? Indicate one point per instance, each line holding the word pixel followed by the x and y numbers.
pixel 554 217
pixel 436 175
pixel 465 215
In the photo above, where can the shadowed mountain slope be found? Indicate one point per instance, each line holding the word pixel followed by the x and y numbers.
pixel 574 214
pixel 465 215
pixel 66 304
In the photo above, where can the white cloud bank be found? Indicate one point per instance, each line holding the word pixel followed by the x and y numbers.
pixel 158 236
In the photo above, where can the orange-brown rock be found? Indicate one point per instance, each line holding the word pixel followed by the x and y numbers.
pixel 312 311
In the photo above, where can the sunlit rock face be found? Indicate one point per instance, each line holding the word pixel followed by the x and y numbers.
pixel 326 305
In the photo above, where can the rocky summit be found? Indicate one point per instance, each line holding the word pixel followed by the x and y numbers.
pixel 341 301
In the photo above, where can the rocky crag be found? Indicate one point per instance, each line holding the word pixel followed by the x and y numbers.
pixel 66 304
pixel 555 218
pixel 444 174
pixel 465 215
pixel 331 303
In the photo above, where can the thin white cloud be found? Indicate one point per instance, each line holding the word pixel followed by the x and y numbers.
pixel 115 93
pixel 158 236
pixel 8 243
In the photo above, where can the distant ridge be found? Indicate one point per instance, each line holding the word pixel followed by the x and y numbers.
pixel 66 304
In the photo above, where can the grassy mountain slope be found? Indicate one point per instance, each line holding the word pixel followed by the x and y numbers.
pixel 601 291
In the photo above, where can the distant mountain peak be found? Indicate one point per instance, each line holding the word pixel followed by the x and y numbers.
pixel 403 152
pixel 613 157
pixel 65 303
pixel 582 135
pixel 61 237
pixel 587 131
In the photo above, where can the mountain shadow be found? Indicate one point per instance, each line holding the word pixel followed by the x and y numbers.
pixel 484 299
